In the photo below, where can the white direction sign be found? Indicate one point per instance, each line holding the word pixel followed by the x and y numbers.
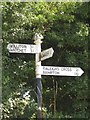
pixel 61 71
pixel 46 54
pixel 22 48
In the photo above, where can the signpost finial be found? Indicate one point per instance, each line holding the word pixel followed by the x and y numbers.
pixel 37 38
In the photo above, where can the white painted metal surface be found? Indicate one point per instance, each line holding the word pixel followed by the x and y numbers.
pixel 46 54
pixel 22 48
pixel 61 71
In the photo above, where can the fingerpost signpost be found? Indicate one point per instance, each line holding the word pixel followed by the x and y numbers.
pixel 42 70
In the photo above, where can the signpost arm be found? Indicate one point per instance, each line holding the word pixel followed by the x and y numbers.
pixel 38 42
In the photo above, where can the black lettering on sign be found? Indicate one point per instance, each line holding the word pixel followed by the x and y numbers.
pixel 18 48
pixel 43 54
pixel 51 68
pixel 66 69
pixel 52 72
pixel 32 48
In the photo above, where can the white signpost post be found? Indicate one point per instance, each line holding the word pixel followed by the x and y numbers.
pixel 43 70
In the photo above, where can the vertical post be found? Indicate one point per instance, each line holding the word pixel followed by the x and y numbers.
pixel 38 42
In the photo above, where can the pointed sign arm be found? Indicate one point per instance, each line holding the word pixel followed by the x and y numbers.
pixel 61 71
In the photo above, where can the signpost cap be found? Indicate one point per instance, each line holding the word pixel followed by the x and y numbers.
pixel 37 38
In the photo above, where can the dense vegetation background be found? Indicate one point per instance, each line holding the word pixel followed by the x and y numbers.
pixel 65 27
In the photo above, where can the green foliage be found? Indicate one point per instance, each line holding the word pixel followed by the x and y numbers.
pixel 19 108
pixel 65 27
